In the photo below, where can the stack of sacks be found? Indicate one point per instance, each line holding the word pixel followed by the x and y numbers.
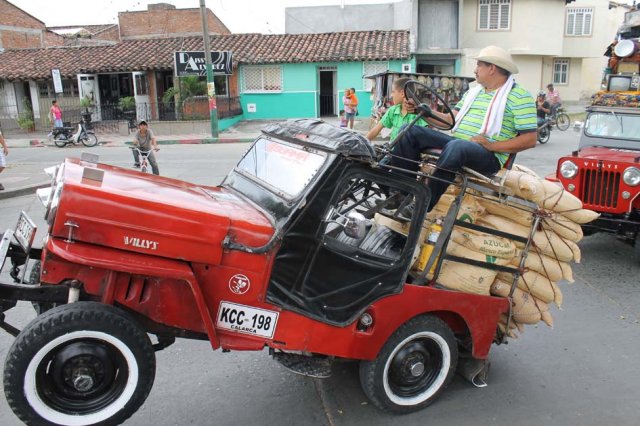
pixel 552 248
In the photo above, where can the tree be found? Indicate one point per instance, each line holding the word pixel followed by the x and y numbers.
pixel 189 86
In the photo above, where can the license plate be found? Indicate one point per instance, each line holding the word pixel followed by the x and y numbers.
pixel 247 320
pixel 25 231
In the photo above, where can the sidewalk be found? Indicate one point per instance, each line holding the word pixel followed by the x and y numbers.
pixel 23 180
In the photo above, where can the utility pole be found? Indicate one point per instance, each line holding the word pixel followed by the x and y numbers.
pixel 211 87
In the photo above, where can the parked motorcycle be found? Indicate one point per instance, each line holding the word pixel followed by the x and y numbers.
pixel 63 136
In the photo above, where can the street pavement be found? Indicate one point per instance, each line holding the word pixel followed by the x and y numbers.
pixel 583 372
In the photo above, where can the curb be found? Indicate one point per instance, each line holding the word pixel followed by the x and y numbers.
pixel 24 190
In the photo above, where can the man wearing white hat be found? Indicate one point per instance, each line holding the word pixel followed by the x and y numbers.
pixel 494 119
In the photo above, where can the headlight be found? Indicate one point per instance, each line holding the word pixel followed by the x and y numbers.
pixel 631 176
pixel 568 169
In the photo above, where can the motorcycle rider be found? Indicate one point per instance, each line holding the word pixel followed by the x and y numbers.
pixel 542 108
pixel 144 140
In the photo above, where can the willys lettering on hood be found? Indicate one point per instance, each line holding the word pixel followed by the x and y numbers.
pixel 160 216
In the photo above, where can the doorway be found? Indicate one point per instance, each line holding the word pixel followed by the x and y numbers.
pixel 327 91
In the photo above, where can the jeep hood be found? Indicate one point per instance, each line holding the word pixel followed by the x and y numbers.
pixel 155 215
pixel 609 154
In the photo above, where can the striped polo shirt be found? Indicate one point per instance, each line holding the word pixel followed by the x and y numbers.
pixel 519 117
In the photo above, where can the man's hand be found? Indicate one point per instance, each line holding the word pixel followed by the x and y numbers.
pixel 155 148
pixel 5 149
pixel 409 106
pixel 482 140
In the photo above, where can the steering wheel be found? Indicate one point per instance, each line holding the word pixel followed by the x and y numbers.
pixel 422 96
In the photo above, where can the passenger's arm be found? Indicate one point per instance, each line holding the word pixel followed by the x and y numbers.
pixel 520 143
pixel 373 133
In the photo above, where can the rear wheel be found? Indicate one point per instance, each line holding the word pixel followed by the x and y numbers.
pixel 544 134
pixel 83 363
pixel 89 139
pixel 562 121
pixel 413 367
pixel 59 143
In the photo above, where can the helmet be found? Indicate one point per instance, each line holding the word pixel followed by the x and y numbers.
pixel 541 93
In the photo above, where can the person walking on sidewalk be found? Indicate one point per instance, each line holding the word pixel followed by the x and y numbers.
pixel 3 153
pixel 145 141
pixel 56 114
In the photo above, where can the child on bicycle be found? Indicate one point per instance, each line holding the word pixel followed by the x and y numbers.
pixel 146 142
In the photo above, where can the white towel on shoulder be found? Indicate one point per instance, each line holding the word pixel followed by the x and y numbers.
pixel 492 123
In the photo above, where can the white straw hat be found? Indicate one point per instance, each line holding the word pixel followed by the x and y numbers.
pixel 499 57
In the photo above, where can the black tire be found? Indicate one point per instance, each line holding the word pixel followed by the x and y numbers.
pixel 34 279
pixel 563 121
pixel 413 367
pixel 60 143
pixel 83 363
pixel 636 249
pixel 544 134
pixel 89 139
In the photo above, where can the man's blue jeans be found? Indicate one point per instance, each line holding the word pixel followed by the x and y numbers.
pixel 456 153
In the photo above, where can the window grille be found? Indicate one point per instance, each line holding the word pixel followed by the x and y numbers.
pixel 221 84
pixel 579 21
pixel 262 78
pixel 560 71
pixel 142 85
pixel 43 89
pixel 494 14
pixel 371 68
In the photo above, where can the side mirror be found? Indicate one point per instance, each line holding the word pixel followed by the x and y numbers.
pixel 356 225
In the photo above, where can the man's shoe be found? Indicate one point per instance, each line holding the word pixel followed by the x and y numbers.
pixel 1 187
pixel 136 165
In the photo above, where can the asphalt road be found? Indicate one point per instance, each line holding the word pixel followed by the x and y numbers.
pixel 584 371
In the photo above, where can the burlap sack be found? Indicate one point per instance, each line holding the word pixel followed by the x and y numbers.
pixel 502 326
pixel 498 208
pixel 489 245
pixel 526 309
pixel 503 224
pixel 467 278
pixel 581 216
pixel 549 243
pixel 523 185
pixel 564 227
pixel 469 208
pixel 551 268
pixel 525 169
pixel 537 285
pixel 558 199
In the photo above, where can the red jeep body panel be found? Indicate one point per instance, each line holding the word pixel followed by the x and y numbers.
pixel 599 181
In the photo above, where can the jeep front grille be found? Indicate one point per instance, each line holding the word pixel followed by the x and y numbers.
pixel 600 188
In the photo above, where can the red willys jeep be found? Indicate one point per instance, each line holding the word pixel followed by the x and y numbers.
pixel 285 253
pixel 605 171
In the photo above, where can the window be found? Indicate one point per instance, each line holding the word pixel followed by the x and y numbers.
pixel 494 15
pixel 262 78
pixel 70 87
pixel 43 89
pixel 579 21
pixel 142 86
pixel 371 68
pixel 560 71
pixel 221 84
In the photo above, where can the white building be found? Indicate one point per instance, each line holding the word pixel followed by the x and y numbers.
pixel 559 41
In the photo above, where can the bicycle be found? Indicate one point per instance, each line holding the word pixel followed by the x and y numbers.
pixel 561 119
pixel 143 158
pixel 544 131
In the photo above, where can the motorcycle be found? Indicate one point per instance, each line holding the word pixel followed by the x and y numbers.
pixel 63 136
pixel 544 131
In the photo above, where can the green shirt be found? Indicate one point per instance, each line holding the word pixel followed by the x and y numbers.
pixel 519 117
pixel 393 119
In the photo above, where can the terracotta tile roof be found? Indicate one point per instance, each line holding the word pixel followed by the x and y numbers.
pixel 157 54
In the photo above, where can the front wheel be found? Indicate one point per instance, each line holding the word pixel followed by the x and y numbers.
pixel 413 367
pixel 544 134
pixel 89 139
pixel 563 121
pixel 79 364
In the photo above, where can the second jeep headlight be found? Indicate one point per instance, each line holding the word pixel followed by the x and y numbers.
pixel 631 176
pixel 568 169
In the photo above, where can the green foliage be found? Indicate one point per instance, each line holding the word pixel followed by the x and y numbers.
pixel 86 102
pixel 25 118
pixel 189 86
pixel 128 103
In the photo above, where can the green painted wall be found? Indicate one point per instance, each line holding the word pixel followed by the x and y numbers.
pixel 225 123
pixel 299 97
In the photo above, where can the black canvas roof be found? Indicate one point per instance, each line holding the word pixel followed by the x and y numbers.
pixel 323 136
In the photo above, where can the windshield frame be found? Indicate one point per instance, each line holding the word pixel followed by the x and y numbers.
pixel 280 192
pixel 619 117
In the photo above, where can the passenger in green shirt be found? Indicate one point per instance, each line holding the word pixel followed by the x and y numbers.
pixel 397 115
